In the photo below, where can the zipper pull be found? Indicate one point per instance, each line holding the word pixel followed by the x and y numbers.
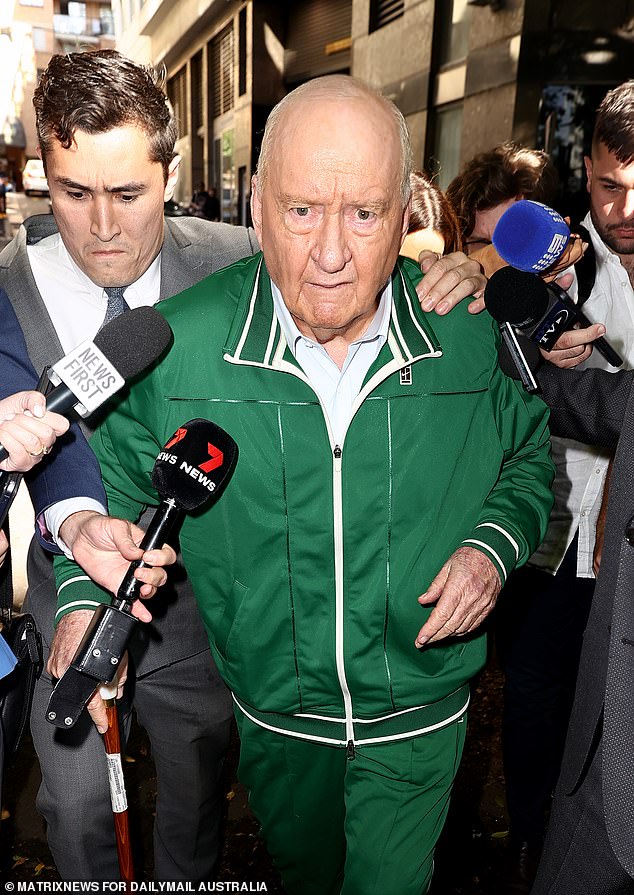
pixel 337 452
pixel 350 755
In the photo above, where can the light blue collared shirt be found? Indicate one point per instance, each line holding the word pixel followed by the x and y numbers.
pixel 336 388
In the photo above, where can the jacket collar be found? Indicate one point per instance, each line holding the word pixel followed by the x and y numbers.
pixel 256 337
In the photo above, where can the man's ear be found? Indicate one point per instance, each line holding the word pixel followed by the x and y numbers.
pixel 588 163
pixel 256 208
pixel 172 178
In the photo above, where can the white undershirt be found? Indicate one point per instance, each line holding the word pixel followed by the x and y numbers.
pixel 75 304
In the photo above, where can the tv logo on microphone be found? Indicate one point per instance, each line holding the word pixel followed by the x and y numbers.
pixel 216 460
pixel 89 375
pixel 551 328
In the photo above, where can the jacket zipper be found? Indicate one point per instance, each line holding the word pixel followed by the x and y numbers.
pixel 339 654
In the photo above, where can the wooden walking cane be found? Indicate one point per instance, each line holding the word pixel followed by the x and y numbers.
pixel 118 798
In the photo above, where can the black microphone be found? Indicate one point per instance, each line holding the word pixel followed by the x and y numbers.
pixel 518 360
pixel 543 311
pixel 194 466
pixel 94 371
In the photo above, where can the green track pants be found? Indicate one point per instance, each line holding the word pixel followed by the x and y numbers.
pixel 365 826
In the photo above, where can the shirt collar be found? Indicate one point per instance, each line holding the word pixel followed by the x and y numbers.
pixel 148 283
pixel 378 328
pixel 600 248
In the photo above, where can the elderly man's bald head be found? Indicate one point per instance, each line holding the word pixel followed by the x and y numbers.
pixel 333 209
pixel 333 87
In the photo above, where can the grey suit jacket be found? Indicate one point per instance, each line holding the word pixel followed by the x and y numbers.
pixel 597 407
pixel 192 249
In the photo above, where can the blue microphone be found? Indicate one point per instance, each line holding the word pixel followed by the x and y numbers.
pixel 530 236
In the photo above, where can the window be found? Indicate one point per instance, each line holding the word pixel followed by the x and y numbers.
pixel 382 12
pixel 197 91
pixel 39 39
pixel 71 8
pixel 242 51
pixel 453 33
pixel 106 21
pixel 221 71
pixel 447 141
pixel 177 93
pixel 567 113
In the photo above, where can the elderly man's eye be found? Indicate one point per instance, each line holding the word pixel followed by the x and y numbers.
pixel 302 212
pixel 364 215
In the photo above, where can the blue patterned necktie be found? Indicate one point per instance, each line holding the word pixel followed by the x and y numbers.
pixel 116 303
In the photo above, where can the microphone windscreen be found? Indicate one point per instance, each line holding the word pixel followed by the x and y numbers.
pixel 134 340
pixel 513 296
pixel 531 236
pixel 196 462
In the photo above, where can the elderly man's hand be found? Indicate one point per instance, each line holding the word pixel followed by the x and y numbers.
pixel 448 280
pixel 27 430
pixel 104 547
pixel 66 640
pixel 465 591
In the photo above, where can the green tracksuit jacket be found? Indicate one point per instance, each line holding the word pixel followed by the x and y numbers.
pixel 308 569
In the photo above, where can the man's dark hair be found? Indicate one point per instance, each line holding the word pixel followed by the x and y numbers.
pixel 614 125
pixel 98 91
pixel 508 171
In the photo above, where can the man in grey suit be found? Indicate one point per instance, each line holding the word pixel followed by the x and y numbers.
pixel 590 843
pixel 107 139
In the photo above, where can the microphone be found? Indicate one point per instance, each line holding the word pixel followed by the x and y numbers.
pixel 194 466
pixel 517 360
pixel 530 236
pixel 94 371
pixel 543 311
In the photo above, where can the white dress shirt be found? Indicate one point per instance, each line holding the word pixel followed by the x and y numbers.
pixel 77 308
pixel 581 469
pixel 75 304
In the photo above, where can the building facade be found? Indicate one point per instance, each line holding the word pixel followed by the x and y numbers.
pixel 465 73
pixel 30 32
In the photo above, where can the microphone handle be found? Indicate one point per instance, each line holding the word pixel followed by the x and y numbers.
pixel 518 358
pixel 42 386
pixel 161 525
pixel 60 400
pixel 601 344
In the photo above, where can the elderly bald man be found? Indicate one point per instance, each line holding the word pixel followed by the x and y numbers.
pixel 390 477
